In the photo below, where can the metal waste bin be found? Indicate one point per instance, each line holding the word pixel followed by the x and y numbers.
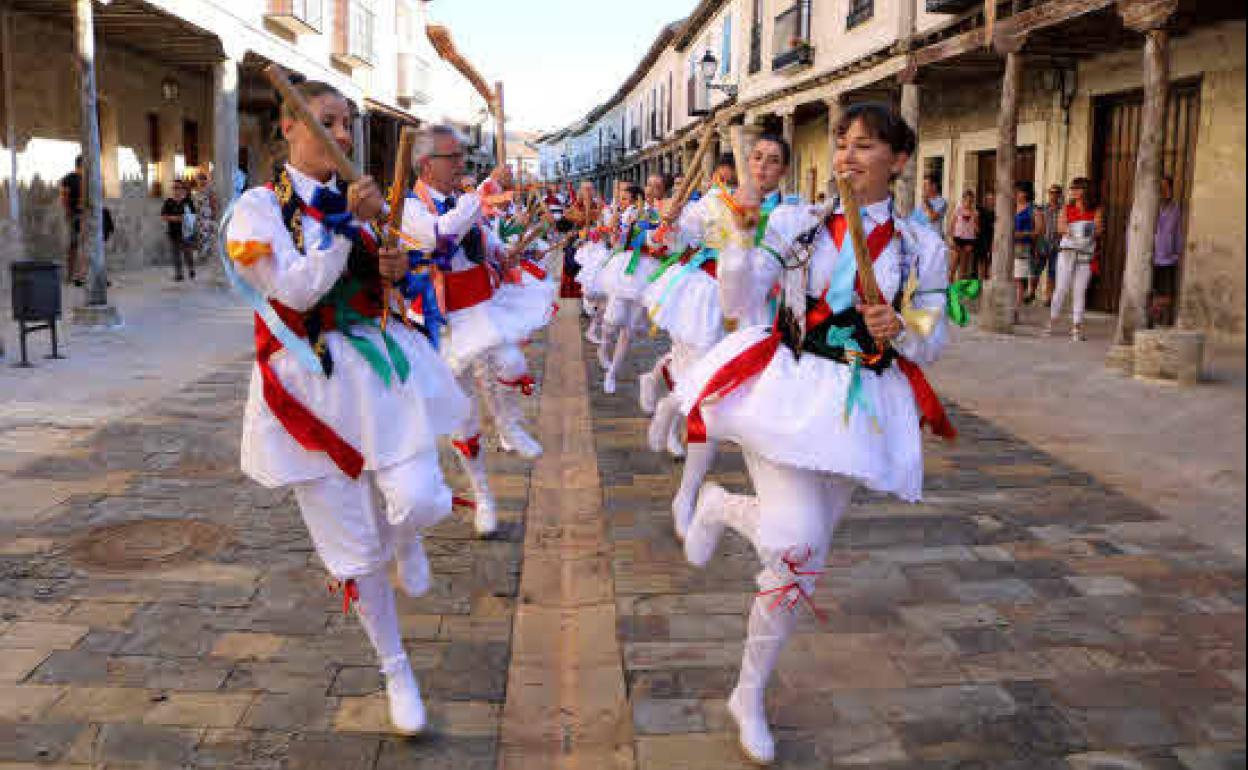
pixel 36 300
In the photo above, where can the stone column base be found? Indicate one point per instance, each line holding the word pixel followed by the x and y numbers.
pixel 995 312
pixel 1120 359
pixel 1169 354
pixel 105 316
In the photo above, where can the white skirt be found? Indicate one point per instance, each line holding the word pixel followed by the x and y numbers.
pixel 591 257
pixel 685 304
pixel 618 284
pixel 510 317
pixel 793 413
pixel 386 424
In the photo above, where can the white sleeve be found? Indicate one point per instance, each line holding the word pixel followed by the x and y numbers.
pixel 747 272
pixel 265 255
pixel 930 266
pixel 424 227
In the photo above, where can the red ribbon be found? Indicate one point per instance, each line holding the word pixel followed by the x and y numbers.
pixel 666 372
pixel 350 592
pixel 533 269
pixel 469 447
pixel 790 594
pixel 463 502
pixel 747 365
pixel 931 412
pixel 524 382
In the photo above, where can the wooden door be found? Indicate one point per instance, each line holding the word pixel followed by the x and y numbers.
pixel 986 178
pixel 1116 139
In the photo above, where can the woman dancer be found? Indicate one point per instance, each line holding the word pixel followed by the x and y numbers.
pixel 624 279
pixel 841 415
pixel 595 252
pixel 339 407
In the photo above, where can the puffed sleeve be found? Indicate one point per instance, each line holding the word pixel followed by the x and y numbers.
pixel 425 228
pixel 747 272
pixel 927 328
pixel 265 255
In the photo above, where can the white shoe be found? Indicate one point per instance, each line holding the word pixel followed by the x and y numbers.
pixel 682 513
pixel 753 733
pixel 608 382
pixel 675 447
pixel 604 360
pixel 648 392
pixel 407 711
pixel 594 334
pixel 514 438
pixel 414 573
pixel 484 519
pixel 702 536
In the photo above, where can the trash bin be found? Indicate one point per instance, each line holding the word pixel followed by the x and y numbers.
pixel 36 299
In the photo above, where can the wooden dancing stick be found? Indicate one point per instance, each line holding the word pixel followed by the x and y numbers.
pixel 500 126
pixel 749 219
pixel 298 105
pixel 692 173
pixel 398 194
pixel 442 42
pixel 853 220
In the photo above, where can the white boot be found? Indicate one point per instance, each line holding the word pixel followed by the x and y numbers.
pixel 697 465
pixel 485 518
pixel 716 509
pixel 659 432
pixel 414 574
pixel 769 629
pixel 509 420
pixel 407 711
pixel 675 446
pixel 650 382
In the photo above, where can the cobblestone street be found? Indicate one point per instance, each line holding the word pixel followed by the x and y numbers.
pixel 1025 617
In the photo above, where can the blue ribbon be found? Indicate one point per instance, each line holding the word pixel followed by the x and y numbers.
pixel 294 344
pixel 418 283
pixel 335 218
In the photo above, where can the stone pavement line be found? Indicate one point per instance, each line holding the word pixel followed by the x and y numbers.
pixel 566 704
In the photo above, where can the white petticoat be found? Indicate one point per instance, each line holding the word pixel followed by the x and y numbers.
pixel 793 413
pixel 386 424
pixel 690 311
pixel 618 284
pixel 591 257
pixel 507 318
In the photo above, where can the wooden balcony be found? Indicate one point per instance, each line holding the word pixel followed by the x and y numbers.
pixel 298 17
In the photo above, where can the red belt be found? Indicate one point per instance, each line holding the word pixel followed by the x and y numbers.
pixel 468 288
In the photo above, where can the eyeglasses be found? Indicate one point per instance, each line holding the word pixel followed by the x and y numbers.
pixel 449 155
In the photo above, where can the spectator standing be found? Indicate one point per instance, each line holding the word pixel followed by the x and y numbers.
pixel 174 214
pixel 204 200
pixel 964 230
pixel 1025 226
pixel 932 208
pixel 983 240
pixel 71 204
pixel 1080 226
pixel 1167 249
pixel 1045 268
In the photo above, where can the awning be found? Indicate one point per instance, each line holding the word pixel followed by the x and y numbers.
pixel 373 106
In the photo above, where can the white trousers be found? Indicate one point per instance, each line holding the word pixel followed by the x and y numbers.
pixel 505 362
pixel 1072 278
pixel 352 537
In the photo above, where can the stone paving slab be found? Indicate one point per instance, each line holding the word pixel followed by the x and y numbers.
pixel 241 657
pixel 1024 617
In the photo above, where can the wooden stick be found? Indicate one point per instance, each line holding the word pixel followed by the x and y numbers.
pixel 853 219
pixel 398 194
pixel 500 126
pixel 749 218
pixel 298 105
pixel 691 174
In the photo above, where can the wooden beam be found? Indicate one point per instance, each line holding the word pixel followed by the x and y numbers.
pixel 1020 24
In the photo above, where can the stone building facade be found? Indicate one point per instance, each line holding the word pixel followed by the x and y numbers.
pixel 797 63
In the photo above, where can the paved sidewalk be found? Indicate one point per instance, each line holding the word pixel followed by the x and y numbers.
pixel 1025 617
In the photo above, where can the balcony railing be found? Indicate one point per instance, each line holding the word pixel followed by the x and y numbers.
pixel 791 46
pixel 860 12
pixel 298 17
pixel 413 81
pixel 354 44
pixel 951 6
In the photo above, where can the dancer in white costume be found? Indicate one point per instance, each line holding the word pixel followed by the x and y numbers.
pixel 594 254
pixel 845 413
pixel 485 332
pixel 624 279
pixel 338 406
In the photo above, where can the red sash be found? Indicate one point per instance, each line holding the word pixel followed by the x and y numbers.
pixel 751 362
pixel 468 288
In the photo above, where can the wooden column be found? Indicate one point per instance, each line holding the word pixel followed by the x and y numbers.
pixel 836 108
pixel 788 129
pixel 998 309
pixel 908 184
pixel 96 311
pixel 9 64
pixel 1148 17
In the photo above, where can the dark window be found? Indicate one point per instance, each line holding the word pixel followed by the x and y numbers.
pixel 155 153
pixel 756 37
pixel 190 142
pixel 859 11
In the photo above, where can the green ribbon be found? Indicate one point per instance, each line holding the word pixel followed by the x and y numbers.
pixel 346 317
pixel 843 337
pixel 958 293
pixel 667 262
pixel 509 228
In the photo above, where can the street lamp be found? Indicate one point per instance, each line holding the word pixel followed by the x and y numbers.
pixel 709 66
